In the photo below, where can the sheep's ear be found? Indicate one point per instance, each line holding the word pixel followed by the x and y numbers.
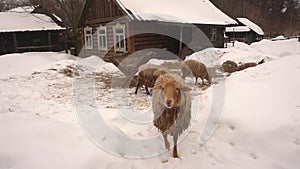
pixel 157 87
pixel 185 88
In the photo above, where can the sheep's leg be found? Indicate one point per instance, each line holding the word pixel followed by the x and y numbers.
pixel 175 138
pixel 137 88
pixel 147 91
pixel 209 80
pixel 196 79
pixel 203 81
pixel 167 144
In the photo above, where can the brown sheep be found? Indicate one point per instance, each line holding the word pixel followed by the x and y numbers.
pixel 230 66
pixel 159 72
pixel 145 66
pixel 147 76
pixel 246 65
pixel 171 104
pixel 250 64
pixel 196 68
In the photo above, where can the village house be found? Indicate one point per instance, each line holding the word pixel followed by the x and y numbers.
pixel 148 24
pixel 26 31
pixel 246 31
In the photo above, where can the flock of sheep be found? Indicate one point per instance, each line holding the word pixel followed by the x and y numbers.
pixel 230 66
pixel 171 101
pixel 148 73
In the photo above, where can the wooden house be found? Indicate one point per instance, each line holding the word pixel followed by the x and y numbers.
pixel 112 28
pixel 23 32
pixel 246 31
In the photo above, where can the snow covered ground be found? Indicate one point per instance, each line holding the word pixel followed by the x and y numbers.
pixel 260 125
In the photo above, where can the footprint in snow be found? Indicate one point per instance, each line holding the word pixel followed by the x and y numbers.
pixel 254 156
pixel 232 127
pixel 232 143
pixel 297 142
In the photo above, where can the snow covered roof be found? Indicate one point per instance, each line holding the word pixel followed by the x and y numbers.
pixel 20 22
pixel 237 29
pixel 251 25
pixel 187 11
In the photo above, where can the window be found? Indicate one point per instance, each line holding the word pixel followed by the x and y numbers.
pixel 102 38
pixel 119 38
pixel 88 36
pixel 258 38
pixel 213 34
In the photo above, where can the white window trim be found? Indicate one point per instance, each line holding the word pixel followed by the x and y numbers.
pixel 87 45
pixel 119 26
pixel 100 38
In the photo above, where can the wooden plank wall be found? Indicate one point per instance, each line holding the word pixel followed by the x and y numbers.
pixel 156 35
pixel 99 10
pixel 150 40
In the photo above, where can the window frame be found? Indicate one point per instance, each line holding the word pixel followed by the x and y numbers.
pixel 88 36
pixel 213 34
pixel 117 36
pixel 101 39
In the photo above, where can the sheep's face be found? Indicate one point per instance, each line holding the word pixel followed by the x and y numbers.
pixel 171 93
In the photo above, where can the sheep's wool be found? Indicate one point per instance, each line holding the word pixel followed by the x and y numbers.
pixel 172 121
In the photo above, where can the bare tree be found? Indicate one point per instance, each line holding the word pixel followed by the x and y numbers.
pixel 10 4
pixel 70 9
pixel 2 6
